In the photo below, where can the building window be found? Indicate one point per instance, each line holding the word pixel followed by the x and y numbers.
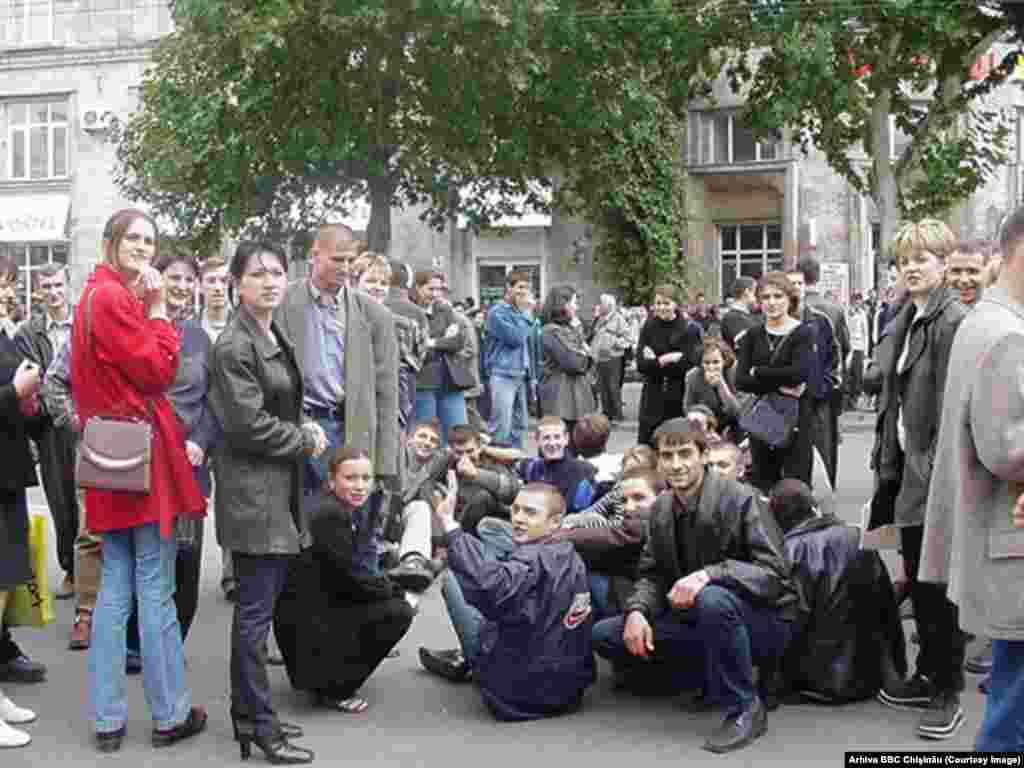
pixel 749 250
pixel 38 139
pixel 30 257
pixel 33 22
pixel 720 138
pixel 491 280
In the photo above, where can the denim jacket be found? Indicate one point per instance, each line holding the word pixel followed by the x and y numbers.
pixel 508 342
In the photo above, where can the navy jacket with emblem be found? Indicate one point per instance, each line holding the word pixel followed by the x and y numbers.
pixel 536 657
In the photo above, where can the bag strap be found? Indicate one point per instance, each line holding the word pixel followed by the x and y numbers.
pixel 92 341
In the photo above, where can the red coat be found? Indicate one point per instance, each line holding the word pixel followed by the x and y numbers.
pixel 128 359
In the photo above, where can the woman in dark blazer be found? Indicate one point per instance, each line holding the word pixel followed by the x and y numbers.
pixel 339 617
pixel 256 394
pixel 20 380
pixel 778 357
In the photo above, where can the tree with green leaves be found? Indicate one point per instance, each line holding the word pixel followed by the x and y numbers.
pixel 842 75
pixel 257 117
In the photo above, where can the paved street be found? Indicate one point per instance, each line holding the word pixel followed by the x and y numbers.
pixel 416 719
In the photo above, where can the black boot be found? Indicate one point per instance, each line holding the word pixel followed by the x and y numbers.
pixel 739 728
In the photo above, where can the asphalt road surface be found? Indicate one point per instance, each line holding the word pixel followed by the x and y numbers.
pixel 416 719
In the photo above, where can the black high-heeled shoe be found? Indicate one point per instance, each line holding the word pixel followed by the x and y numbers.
pixel 288 730
pixel 278 751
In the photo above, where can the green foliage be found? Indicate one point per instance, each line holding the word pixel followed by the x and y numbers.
pixel 258 118
pixel 833 72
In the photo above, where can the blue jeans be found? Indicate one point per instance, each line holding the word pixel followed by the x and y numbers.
pixel 496 536
pixel 710 646
pixel 316 468
pixel 137 561
pixel 449 407
pixel 1002 728
pixel 509 420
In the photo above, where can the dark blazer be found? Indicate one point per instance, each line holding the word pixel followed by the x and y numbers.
pixel 371 370
pixel 256 394
pixel 432 374
pixel 734 547
pixel 923 384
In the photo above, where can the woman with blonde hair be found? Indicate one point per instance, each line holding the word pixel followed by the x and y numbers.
pixel 912 360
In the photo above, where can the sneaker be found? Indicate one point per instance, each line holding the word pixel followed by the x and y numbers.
pixel 413 573
pixel 12 737
pixel 12 714
pixel 914 694
pixel 66 590
pixel 981 662
pixel 451 665
pixel 942 718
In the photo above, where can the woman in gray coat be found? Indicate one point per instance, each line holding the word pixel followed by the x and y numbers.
pixel 564 389
pixel 256 393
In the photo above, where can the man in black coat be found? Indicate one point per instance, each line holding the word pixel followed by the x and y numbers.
pixel 714 594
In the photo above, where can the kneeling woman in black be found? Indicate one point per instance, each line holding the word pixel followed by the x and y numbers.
pixel 338 616
pixel 778 357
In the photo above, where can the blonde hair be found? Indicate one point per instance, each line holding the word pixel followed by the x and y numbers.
pixel 371 261
pixel 929 235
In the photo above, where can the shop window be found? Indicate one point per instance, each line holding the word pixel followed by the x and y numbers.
pixel 38 139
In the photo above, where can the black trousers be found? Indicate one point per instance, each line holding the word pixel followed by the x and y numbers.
pixel 380 626
pixel 941 658
pixel 826 432
pixel 57 469
pixel 186 591
pixel 261 579
pixel 609 387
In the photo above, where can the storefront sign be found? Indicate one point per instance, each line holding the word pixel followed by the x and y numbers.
pixel 33 218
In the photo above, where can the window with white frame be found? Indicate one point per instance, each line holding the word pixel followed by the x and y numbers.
pixel 30 257
pixel 720 138
pixel 34 22
pixel 748 250
pixel 37 139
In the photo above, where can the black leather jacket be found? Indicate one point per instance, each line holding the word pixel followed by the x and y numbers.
pixel 734 547
pixel 851 629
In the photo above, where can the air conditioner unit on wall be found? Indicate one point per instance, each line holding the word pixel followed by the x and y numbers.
pixel 95 119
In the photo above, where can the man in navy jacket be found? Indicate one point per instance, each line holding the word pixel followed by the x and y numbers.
pixel 523 617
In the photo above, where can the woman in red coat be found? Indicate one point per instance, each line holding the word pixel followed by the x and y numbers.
pixel 124 358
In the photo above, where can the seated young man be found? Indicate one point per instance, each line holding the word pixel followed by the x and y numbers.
pixel 611 553
pixel 851 638
pixel 572 477
pixel 714 594
pixel 524 622
pixel 608 510
pixel 590 440
pixel 726 458
pixel 409 526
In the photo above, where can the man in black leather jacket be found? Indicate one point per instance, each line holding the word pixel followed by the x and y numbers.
pixel 714 594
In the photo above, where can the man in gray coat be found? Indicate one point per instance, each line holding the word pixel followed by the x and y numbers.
pixel 345 345
pixel 974 525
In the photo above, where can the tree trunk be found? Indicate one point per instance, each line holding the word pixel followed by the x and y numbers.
pixel 378 231
pixel 884 189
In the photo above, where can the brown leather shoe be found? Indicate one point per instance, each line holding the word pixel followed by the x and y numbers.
pixel 81 632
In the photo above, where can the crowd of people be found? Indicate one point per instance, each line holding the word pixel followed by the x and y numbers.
pixel 359 436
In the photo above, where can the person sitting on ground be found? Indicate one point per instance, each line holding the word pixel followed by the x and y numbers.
pixel 338 616
pixel 611 553
pixel 726 458
pixel 850 638
pixel 572 477
pixel 713 587
pixel 524 622
pixel 609 509
pixel 590 439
